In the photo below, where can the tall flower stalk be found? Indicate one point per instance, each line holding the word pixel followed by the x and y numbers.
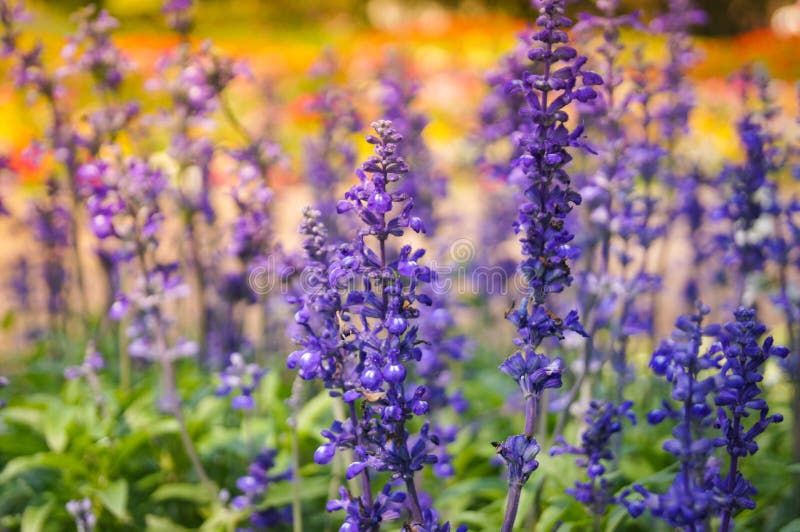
pixel 689 502
pixel 124 207
pixel 548 199
pixel 738 398
pixel 363 345
pixel 614 231
pixel 329 156
pixel 603 421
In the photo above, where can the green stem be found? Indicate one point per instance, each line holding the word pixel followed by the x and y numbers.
pixel 297 505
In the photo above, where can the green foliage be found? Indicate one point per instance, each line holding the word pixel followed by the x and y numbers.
pixel 59 442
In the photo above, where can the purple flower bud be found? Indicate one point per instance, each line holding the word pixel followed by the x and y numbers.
pixel 396 325
pixel 394 373
pixel 354 469
pixel 380 202
pixel 324 453
pixel 371 379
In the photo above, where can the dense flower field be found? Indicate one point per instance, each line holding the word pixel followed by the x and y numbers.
pixel 576 311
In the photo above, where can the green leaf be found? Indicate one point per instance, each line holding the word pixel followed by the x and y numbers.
pixel 552 514
pixel 115 499
pixel 616 517
pixel 282 495
pixel 221 518
pixel 59 462
pixel 56 421
pixel 791 526
pixel 16 443
pixel 196 493
pixel 34 517
pixel 32 418
pixel 312 411
pixel 162 427
pixel 154 523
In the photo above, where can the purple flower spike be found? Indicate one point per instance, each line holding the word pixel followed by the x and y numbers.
pixel 362 344
pixel 543 143
pixel 603 420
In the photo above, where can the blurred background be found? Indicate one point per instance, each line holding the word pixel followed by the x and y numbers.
pixel 451 44
pixel 728 17
pixel 447 47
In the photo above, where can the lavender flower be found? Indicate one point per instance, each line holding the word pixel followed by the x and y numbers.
pixel 52 225
pixel 254 486
pixel 90 48
pixel 363 344
pixel 673 113
pixel 81 511
pixel 251 244
pixel 603 420
pixel 361 516
pixel 690 500
pixel 751 205
pixel 242 377
pixel 92 363
pixel 179 16
pixel 616 228
pixel 540 225
pixel 423 182
pixel 329 156
pixel 739 397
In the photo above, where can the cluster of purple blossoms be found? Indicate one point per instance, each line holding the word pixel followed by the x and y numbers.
pixel 737 398
pixel 548 199
pixel 423 182
pixel 428 187
pixel 689 368
pixel 179 15
pixel 241 378
pixel 83 514
pixel 123 205
pixel 93 362
pixel 603 421
pixel 90 48
pixel 678 97
pixel 750 191
pixel 616 231
pixel 726 374
pixel 251 244
pixel 52 225
pixel 254 486
pixel 362 346
pixel 330 155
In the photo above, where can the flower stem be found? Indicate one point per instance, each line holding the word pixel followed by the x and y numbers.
pixel 174 408
pixel 514 492
pixel 530 415
pixel 416 509
pixel 297 509
pixel 366 486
